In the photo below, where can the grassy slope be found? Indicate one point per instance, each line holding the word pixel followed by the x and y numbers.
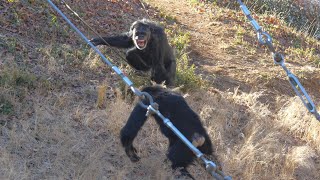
pixel 51 85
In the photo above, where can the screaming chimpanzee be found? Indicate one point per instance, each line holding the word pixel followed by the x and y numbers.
pixel 149 49
pixel 173 106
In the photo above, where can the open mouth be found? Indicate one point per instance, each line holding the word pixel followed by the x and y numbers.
pixel 141 43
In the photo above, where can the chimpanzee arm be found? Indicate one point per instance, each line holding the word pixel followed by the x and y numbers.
pixel 135 60
pixel 130 130
pixel 119 41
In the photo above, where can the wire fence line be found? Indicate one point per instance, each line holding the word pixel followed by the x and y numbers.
pixel 303 15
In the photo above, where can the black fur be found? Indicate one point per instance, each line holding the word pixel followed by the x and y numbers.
pixel 156 56
pixel 174 107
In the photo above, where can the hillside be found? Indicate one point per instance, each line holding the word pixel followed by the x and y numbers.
pixel 61 108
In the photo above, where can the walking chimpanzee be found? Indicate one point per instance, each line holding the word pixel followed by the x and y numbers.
pixel 173 106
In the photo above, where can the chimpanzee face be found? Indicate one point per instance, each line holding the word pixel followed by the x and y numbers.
pixel 140 35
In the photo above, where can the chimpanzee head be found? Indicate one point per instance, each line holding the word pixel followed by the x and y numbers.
pixel 141 34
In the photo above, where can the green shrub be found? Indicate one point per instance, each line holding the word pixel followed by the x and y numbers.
pixel 6 107
pixel 16 77
pixel 185 75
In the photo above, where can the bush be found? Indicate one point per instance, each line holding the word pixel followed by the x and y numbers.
pixel 185 75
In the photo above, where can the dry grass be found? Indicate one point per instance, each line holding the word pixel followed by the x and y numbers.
pixel 299 123
pixel 67 139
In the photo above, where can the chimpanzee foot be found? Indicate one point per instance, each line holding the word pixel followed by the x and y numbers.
pixel 131 153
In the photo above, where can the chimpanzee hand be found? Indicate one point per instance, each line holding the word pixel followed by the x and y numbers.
pixel 96 41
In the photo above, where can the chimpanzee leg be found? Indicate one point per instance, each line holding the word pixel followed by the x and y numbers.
pixel 159 74
pixel 135 60
pixel 172 142
pixel 164 71
pixel 171 72
pixel 180 156
pixel 130 130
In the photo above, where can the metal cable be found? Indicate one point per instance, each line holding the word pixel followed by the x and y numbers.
pixel 145 9
pixel 265 39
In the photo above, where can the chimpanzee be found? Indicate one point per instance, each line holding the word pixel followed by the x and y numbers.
pixel 148 49
pixel 173 106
